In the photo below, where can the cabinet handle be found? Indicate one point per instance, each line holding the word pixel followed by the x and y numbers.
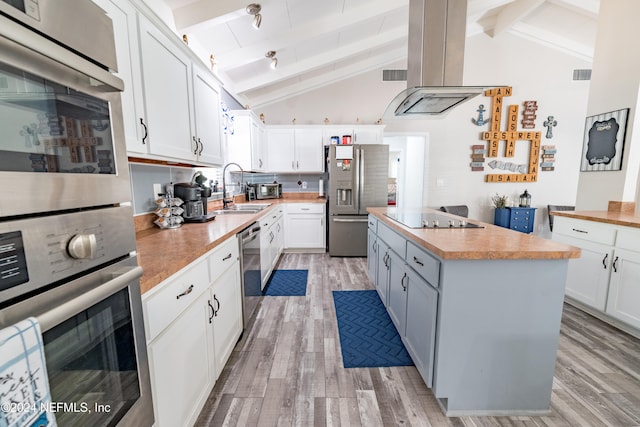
pixel 305 209
pixel 146 131
pixel 580 231
pixel 615 265
pixel 293 164
pixel 227 257
pixel 196 144
pixel 297 164
pixel 404 287
pixel 216 310
pixel 213 312
pixel 187 292
pixel 201 147
pixel 373 247
pixel 260 162
pixel 417 261
pixel 604 261
pixel 386 259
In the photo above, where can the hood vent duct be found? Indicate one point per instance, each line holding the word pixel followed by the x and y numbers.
pixel 437 32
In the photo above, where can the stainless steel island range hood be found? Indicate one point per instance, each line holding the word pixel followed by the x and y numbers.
pixel 437 32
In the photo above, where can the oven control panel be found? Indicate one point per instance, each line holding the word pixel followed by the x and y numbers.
pixel 37 252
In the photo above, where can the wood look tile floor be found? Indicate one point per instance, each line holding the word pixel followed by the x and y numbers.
pixel 287 369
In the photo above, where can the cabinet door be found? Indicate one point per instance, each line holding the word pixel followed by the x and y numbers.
pixel 238 144
pixel 281 149
pixel 382 273
pixel 420 333
pixel 206 98
pixel 258 154
pixel 588 276
pixel 309 152
pixel 624 290
pixel 367 135
pixel 397 292
pixel 265 255
pixel 167 82
pixel 227 319
pixel 125 28
pixel 372 255
pixel 182 365
pixel 305 231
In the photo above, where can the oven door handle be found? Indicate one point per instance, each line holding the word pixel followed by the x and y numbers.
pixel 72 307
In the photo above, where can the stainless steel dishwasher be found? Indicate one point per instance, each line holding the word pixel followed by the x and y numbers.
pixel 250 260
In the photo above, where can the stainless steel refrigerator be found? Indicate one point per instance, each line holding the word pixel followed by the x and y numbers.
pixel 358 177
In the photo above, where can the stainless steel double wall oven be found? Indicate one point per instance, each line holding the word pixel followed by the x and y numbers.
pixel 67 240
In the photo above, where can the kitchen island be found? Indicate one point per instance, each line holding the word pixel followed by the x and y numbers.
pixel 478 309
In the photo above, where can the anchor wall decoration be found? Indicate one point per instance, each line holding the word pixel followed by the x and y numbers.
pixel 481 120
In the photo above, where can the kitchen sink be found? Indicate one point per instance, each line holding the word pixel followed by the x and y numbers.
pixel 249 206
pixel 234 211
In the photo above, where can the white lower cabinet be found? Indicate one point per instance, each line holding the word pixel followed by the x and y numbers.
pixel 607 275
pixel 227 315
pixel 372 262
pixel 192 322
pixel 382 274
pixel 304 226
pixel 182 366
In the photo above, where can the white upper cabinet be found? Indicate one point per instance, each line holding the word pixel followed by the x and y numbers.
pixel 245 144
pixel 166 75
pixel 206 99
pixel 359 134
pixel 125 28
pixel 295 149
pixel 171 104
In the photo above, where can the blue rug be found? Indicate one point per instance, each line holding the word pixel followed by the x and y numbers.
pixel 287 283
pixel 368 337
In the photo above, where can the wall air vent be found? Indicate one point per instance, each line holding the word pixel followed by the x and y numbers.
pixel 582 74
pixel 394 75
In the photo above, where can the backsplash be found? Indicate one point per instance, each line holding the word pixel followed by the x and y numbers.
pixel 144 176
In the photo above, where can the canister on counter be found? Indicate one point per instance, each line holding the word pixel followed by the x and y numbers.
pixel 346 139
pixel 335 140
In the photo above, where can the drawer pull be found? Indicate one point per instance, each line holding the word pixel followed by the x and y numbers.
pixel 187 292
pixel 227 257
pixel 580 231
pixel 417 261
pixel 615 265
pixel 604 261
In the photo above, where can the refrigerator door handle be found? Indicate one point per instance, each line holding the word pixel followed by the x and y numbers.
pixel 350 220
pixel 362 183
pixel 358 187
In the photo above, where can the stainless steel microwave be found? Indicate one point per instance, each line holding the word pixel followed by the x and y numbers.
pixel 264 191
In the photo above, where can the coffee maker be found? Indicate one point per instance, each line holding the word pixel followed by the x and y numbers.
pixel 194 197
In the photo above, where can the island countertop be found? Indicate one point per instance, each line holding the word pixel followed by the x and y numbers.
pixel 490 242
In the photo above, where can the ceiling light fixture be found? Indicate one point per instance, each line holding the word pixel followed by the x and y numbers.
pixel 274 61
pixel 254 10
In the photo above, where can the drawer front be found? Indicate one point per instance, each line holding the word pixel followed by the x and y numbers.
pixel 373 223
pixel 521 226
pixel 520 214
pixel 174 296
pixel 587 230
pixel 392 239
pixel 222 257
pixel 305 208
pixel 426 265
pixel 628 238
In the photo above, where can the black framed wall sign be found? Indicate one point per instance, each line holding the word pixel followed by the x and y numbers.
pixel 603 141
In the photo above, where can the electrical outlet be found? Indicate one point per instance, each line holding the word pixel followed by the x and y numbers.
pixel 304 185
pixel 157 189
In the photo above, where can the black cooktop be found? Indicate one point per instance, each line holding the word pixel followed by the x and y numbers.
pixel 431 220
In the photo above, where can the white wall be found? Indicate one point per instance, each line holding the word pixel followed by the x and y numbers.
pixel 534 71
pixel 615 82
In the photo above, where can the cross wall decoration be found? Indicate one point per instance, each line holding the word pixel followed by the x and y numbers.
pixel 510 136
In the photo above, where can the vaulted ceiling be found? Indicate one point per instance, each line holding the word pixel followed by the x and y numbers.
pixel 318 43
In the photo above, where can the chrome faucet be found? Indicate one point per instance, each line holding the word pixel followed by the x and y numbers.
pixel 225 202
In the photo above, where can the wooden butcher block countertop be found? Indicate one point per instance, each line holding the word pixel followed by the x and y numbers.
pixel 490 242
pixel 617 218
